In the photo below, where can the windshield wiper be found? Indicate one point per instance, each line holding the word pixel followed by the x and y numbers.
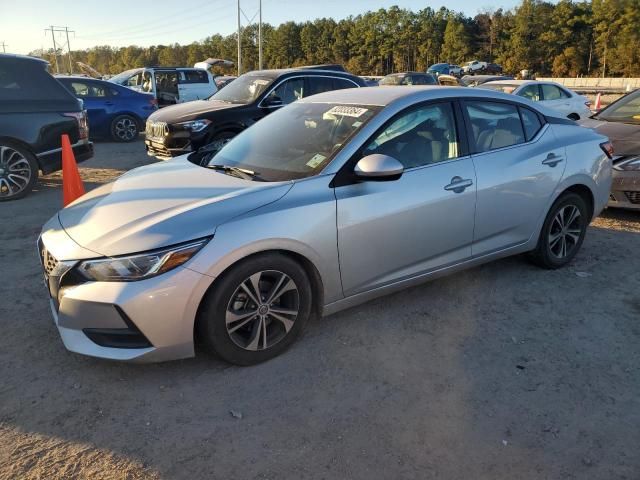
pixel 240 172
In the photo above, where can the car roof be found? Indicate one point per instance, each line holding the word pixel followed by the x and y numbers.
pixel 277 72
pixel 510 82
pixel 385 96
pixel 21 58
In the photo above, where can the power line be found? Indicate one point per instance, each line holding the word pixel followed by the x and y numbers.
pixel 249 22
pixel 166 20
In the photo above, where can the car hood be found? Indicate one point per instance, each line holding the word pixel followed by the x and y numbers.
pixel 162 204
pixel 624 137
pixel 183 112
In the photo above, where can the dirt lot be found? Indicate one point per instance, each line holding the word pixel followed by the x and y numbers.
pixel 503 371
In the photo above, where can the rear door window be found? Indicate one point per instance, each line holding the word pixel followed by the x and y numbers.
pixel 494 125
pixel 551 92
pixel 341 83
pixel 319 85
pixel 88 89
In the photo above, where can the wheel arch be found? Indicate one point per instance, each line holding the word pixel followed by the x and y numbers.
pixel 317 284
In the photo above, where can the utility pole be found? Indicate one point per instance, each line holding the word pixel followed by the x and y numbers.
pixel 249 22
pixel 260 38
pixel 4 47
pixel 53 29
pixel 55 48
pixel 239 43
pixel 66 29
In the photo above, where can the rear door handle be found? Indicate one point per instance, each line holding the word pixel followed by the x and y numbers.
pixel 552 160
pixel 108 104
pixel 458 184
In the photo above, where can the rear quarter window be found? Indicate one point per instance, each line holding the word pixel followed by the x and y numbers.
pixel 194 76
pixel 23 81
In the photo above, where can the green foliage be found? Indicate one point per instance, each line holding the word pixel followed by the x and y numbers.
pixel 588 37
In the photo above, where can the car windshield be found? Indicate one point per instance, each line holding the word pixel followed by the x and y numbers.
pixel 295 142
pixel 392 80
pixel 122 77
pixel 244 89
pixel 499 87
pixel 625 110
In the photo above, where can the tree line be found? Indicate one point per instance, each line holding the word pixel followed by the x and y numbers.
pixel 590 38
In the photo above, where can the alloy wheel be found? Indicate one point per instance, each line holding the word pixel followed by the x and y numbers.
pixel 126 129
pixel 262 310
pixel 565 231
pixel 15 172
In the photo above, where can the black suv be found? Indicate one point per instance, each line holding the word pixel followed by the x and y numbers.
pixel 181 128
pixel 35 111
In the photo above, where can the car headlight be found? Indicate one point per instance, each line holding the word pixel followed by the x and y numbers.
pixel 629 164
pixel 195 125
pixel 138 267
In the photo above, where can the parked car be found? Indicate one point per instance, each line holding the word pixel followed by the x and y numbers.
pixel 493 69
pixel 114 111
pixel 35 111
pixel 224 80
pixel 371 80
pixel 552 95
pixel 408 78
pixel 474 67
pixel 182 128
pixel 170 85
pixel 620 121
pixel 332 201
pixel 444 69
pixel 475 80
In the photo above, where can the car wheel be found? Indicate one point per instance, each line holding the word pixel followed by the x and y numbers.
pixel 573 116
pixel 18 171
pixel 256 310
pixel 124 128
pixel 562 233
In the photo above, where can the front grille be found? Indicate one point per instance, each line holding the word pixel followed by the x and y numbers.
pixel 634 197
pixel 156 129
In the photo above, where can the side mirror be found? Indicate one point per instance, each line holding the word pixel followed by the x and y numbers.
pixel 272 102
pixel 379 168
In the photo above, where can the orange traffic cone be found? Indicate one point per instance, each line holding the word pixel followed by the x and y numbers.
pixel 72 187
pixel 598 105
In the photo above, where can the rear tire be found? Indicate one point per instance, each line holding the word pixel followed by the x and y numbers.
pixel 562 233
pixel 124 128
pixel 256 310
pixel 18 171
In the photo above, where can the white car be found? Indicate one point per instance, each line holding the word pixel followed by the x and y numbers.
pixel 474 67
pixel 551 95
pixel 170 85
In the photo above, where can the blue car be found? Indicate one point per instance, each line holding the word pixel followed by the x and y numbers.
pixel 114 111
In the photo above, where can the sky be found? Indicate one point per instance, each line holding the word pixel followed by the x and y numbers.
pixel 125 22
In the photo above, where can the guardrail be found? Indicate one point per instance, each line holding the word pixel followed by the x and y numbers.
pixel 597 85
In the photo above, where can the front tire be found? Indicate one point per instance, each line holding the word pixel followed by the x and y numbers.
pixel 18 171
pixel 124 128
pixel 562 233
pixel 257 309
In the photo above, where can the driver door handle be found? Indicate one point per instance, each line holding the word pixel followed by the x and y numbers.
pixel 552 160
pixel 458 184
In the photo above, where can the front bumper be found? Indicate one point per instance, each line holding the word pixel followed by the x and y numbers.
pixel 145 321
pixel 625 190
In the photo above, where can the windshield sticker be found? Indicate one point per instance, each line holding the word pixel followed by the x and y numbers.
pixel 260 81
pixel 347 111
pixel 356 124
pixel 316 160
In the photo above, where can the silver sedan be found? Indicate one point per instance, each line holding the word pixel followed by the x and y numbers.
pixel 327 203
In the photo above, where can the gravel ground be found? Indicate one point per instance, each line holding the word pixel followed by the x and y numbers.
pixel 502 371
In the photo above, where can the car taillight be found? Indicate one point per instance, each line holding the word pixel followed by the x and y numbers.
pixel 83 124
pixel 607 148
